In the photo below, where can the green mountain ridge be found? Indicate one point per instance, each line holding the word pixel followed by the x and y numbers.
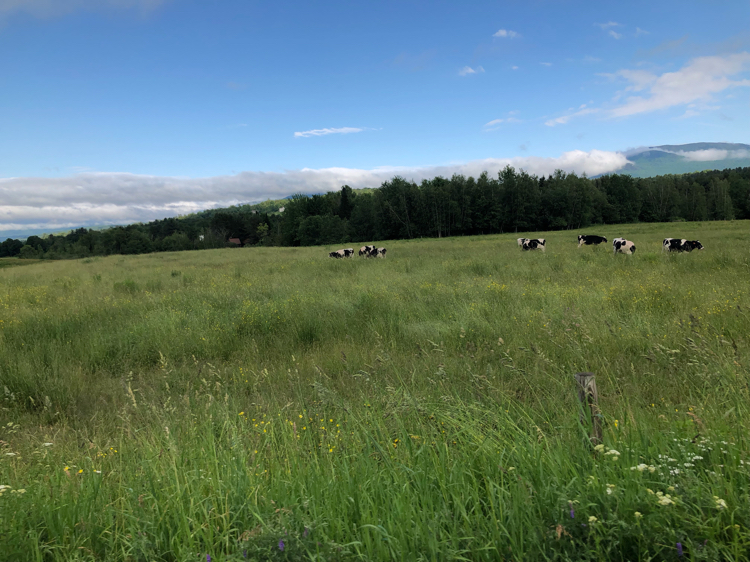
pixel 671 159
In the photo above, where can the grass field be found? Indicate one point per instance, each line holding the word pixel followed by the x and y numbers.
pixel 275 404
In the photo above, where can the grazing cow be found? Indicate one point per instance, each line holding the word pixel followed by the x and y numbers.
pixel 675 245
pixel 380 253
pixel 521 241
pixel 622 246
pixel 345 253
pixel 365 250
pixel 589 239
pixel 533 244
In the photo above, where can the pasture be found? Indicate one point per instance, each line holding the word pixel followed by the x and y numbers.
pixel 276 404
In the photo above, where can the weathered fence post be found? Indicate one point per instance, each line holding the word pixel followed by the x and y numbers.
pixel 589 401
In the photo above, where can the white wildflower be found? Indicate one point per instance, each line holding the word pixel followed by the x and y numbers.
pixel 720 504
pixel 47 444
pixel 599 448
pixel 697 458
pixel 592 519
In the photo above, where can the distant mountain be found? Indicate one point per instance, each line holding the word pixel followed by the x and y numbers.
pixel 685 158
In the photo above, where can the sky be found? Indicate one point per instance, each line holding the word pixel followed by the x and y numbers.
pixel 117 111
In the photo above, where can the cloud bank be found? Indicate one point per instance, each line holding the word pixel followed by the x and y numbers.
pixel 121 198
pixel 711 154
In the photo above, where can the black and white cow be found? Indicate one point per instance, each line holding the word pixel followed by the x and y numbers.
pixel 622 246
pixel 345 253
pixel 365 251
pixel 533 244
pixel 380 252
pixel 676 245
pixel 589 239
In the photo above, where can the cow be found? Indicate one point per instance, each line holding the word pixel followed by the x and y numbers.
pixel 675 245
pixel 365 251
pixel 589 239
pixel 380 253
pixel 533 244
pixel 623 246
pixel 521 241
pixel 345 253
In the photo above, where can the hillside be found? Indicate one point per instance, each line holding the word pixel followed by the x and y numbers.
pixel 685 158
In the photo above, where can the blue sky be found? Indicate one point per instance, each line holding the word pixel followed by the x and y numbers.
pixel 132 109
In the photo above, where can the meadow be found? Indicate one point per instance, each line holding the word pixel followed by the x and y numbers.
pixel 275 404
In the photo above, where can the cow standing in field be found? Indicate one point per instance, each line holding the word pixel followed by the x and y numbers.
pixel 365 251
pixel 380 252
pixel 532 244
pixel 345 253
pixel 676 245
pixel 589 239
pixel 622 246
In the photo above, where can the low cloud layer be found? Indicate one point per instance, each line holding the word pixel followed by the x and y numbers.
pixel 711 154
pixel 120 198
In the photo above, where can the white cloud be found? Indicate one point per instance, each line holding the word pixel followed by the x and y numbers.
pixel 121 198
pixel 607 25
pixel 322 132
pixel 614 34
pixel 583 110
pixel 467 70
pixel 514 67
pixel 495 123
pixel 698 81
pixel 546 63
pixel 639 32
pixel 710 154
pixel 506 33
pixel 51 8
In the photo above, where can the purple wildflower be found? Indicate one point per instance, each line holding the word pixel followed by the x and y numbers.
pixel 208 558
pixel 244 553
pixel 281 545
pixel 572 513
pixel 679 549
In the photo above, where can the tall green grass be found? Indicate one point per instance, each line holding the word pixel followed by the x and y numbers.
pixel 272 403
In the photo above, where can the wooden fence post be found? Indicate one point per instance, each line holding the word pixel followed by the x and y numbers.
pixel 589 401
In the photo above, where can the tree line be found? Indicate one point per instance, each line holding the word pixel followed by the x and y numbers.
pixel 514 201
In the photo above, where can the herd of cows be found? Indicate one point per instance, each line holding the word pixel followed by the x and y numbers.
pixel 364 251
pixel 619 245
